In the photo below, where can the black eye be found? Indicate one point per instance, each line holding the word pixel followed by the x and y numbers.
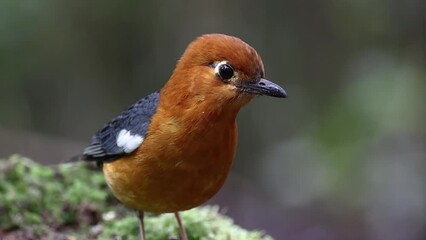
pixel 225 71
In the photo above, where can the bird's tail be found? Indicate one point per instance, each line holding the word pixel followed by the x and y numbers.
pixel 76 158
pixel 83 158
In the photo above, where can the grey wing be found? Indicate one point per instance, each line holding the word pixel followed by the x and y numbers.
pixel 123 134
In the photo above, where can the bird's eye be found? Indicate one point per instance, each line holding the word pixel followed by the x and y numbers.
pixel 224 71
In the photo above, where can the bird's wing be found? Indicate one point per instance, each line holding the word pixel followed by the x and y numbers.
pixel 123 134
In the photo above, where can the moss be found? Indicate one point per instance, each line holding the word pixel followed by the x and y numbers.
pixel 73 201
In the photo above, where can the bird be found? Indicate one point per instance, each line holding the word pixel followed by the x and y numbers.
pixel 173 149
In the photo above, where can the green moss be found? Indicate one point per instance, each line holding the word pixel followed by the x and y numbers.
pixel 72 198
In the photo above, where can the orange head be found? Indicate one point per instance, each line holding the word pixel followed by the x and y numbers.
pixel 222 70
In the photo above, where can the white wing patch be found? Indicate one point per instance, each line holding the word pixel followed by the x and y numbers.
pixel 128 141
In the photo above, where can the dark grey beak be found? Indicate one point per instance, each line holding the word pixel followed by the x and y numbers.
pixel 263 87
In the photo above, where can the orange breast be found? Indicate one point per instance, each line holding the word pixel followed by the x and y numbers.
pixel 180 165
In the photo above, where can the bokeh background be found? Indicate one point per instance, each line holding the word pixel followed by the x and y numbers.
pixel 344 157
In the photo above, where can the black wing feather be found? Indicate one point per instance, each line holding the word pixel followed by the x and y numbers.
pixel 135 119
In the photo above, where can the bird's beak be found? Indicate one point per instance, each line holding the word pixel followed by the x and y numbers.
pixel 262 87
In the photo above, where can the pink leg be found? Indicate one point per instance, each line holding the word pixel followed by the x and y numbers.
pixel 182 231
pixel 141 225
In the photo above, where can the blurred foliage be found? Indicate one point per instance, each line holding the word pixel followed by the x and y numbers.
pixel 32 194
pixel 74 200
pixel 378 102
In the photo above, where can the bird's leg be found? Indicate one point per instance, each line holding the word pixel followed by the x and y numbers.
pixel 141 225
pixel 182 231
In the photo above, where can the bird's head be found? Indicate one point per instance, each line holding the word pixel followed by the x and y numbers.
pixel 220 69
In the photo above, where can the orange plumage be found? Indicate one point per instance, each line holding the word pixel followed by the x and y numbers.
pixel 190 143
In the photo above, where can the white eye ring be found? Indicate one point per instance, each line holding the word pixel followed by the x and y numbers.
pixel 224 71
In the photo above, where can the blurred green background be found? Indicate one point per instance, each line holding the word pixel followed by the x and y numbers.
pixel 344 157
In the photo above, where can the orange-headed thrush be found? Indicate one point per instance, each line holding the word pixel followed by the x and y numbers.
pixel 172 150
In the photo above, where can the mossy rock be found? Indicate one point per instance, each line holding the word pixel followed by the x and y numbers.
pixel 72 201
